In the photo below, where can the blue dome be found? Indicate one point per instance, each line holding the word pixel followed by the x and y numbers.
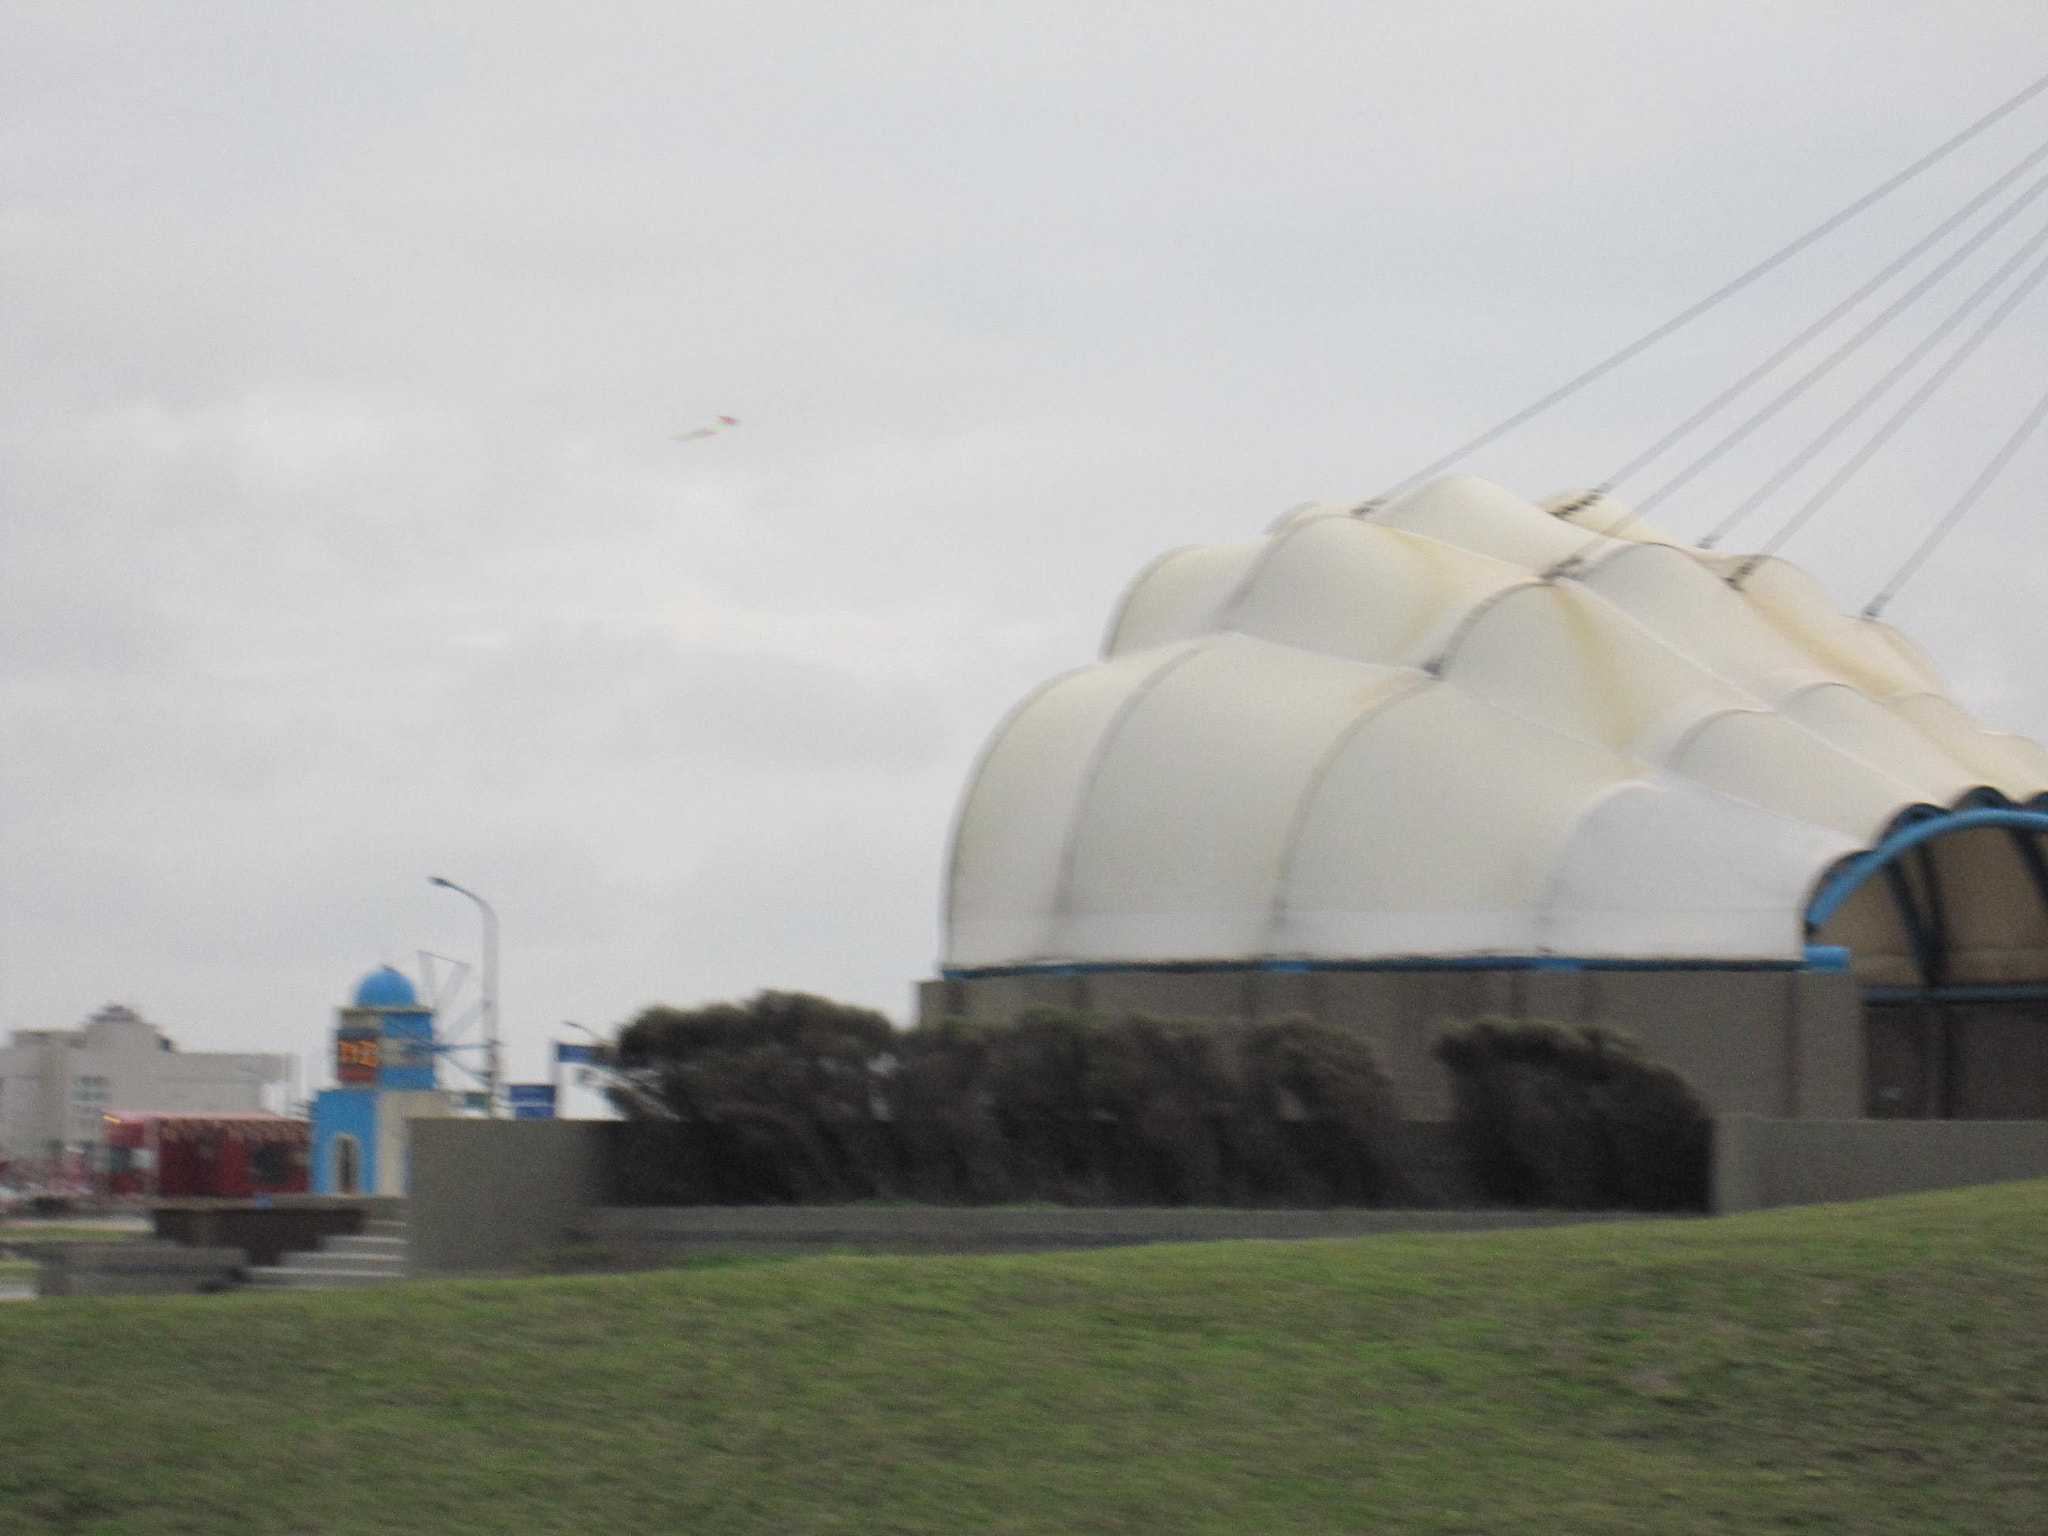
pixel 386 988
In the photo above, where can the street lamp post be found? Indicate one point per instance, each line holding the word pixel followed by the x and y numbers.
pixel 493 1072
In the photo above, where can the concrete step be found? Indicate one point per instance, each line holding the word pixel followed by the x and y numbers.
pixel 354 1263
pixel 376 1256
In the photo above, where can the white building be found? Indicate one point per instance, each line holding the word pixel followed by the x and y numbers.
pixel 1461 725
pixel 56 1084
pixel 1454 754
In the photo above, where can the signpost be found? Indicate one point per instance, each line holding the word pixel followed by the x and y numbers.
pixel 531 1101
pixel 358 1056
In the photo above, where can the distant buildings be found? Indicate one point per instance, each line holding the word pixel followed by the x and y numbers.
pixel 58 1085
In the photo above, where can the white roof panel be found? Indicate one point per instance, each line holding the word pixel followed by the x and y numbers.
pixel 1457 725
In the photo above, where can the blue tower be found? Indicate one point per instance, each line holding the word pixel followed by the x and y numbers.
pixel 385 1062
pixel 405 1029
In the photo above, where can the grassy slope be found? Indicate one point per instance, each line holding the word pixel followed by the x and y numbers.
pixel 1874 1368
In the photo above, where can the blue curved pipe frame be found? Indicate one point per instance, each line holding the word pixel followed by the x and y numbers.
pixel 1911 835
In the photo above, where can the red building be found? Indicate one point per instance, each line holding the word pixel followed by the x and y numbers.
pixel 233 1156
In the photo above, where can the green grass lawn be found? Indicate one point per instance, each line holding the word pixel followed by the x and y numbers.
pixel 1860 1369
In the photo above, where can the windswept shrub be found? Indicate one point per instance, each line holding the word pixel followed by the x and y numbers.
pixel 795 1099
pixel 1132 1109
pixel 763 1102
pixel 949 1149
pixel 1552 1115
pixel 1096 1109
pixel 1320 1117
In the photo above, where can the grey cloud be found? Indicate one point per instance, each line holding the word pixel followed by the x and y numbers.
pixel 343 538
pixel 639 698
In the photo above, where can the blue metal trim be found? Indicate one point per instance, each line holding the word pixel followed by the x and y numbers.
pixel 1920 829
pixel 1403 963
pixel 1827 957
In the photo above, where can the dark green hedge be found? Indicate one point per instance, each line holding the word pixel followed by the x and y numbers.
pixel 790 1098
pixel 763 1102
pixel 1572 1116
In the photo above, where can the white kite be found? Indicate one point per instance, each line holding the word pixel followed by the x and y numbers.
pixel 716 425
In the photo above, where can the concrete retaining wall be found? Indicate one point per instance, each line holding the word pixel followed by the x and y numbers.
pixel 267 1229
pixel 1777 1043
pixel 487 1193
pixel 146 1267
pixel 1761 1163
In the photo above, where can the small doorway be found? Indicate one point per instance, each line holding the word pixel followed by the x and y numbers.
pixel 345 1165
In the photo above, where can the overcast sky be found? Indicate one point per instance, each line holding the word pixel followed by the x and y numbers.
pixel 345 538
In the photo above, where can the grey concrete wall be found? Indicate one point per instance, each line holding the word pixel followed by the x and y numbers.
pixel 1003 997
pixel 141 1268
pixel 1829 1045
pixel 487 1193
pixel 938 998
pixel 649 1233
pixel 1403 1013
pixel 1728 1033
pixel 266 1231
pixel 1761 1163
pixel 1780 1044
pixel 1174 994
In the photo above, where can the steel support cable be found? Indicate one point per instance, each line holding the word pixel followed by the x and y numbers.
pixel 1956 513
pixel 1898 418
pixel 1890 270
pixel 1799 386
pixel 1834 429
pixel 1727 290
pixel 1769 410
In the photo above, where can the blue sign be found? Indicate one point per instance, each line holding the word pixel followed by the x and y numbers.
pixel 531 1101
pixel 564 1051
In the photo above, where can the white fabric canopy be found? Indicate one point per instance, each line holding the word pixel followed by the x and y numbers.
pixel 1455 725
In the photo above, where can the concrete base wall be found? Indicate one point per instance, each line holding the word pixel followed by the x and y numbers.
pixel 487 1193
pixel 1763 1163
pixel 1782 1044
pixel 397 1110
pixel 266 1230
pixel 143 1268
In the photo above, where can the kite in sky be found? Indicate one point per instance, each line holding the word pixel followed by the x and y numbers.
pixel 716 425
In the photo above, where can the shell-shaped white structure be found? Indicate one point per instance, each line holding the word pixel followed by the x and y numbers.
pixel 1458 724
